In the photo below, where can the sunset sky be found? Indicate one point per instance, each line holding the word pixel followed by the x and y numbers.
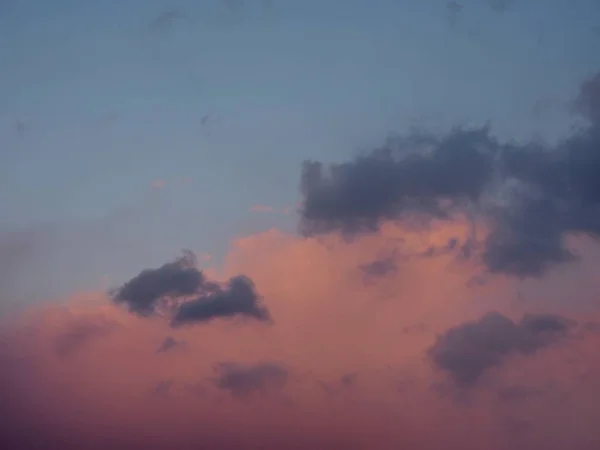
pixel 244 224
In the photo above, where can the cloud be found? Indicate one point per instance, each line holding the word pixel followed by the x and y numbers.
pixel 178 288
pixel 467 351
pixel 336 368
pixel 588 100
pixel 166 21
pixel 358 195
pixel 178 278
pixel 238 298
pixel 500 6
pixel 379 267
pixel 80 331
pixel 243 380
pixel 168 344
pixel 452 10
pixel 517 393
pixel 527 197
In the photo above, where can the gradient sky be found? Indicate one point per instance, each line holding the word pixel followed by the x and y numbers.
pixel 100 99
pixel 366 264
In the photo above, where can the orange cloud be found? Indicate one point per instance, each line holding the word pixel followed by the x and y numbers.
pixel 343 364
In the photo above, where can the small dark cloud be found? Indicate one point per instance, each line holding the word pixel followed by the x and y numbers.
pixel 452 246
pixel 242 380
pixel 165 21
pixel 169 344
pixel 546 323
pixel 177 278
pixel 467 351
pixel 337 387
pixel 21 129
pixel 453 9
pixel 81 331
pixel 588 100
pixel 518 393
pixel 379 267
pixel 348 380
pixel 531 195
pixel 162 388
pixel 238 298
pixel 500 6
pixel 592 326
pixel 193 299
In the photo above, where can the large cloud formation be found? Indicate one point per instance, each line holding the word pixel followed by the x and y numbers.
pixel 530 195
pixel 402 336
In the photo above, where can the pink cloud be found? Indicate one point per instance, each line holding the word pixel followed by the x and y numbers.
pixel 343 364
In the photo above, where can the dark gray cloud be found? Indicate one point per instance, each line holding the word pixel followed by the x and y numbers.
pixel 168 344
pixel 379 267
pixel 193 298
pixel 517 393
pixel 242 380
pixel 453 9
pixel 165 21
pixel 162 388
pixel 178 278
pixel 348 380
pixel 467 351
pixel 500 5
pixel 588 100
pixel 393 181
pixel 81 331
pixel 531 195
pixel 238 298
pixel 340 386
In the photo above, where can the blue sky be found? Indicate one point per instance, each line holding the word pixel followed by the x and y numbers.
pixel 100 99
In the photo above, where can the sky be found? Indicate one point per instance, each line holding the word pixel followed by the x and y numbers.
pixel 281 224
